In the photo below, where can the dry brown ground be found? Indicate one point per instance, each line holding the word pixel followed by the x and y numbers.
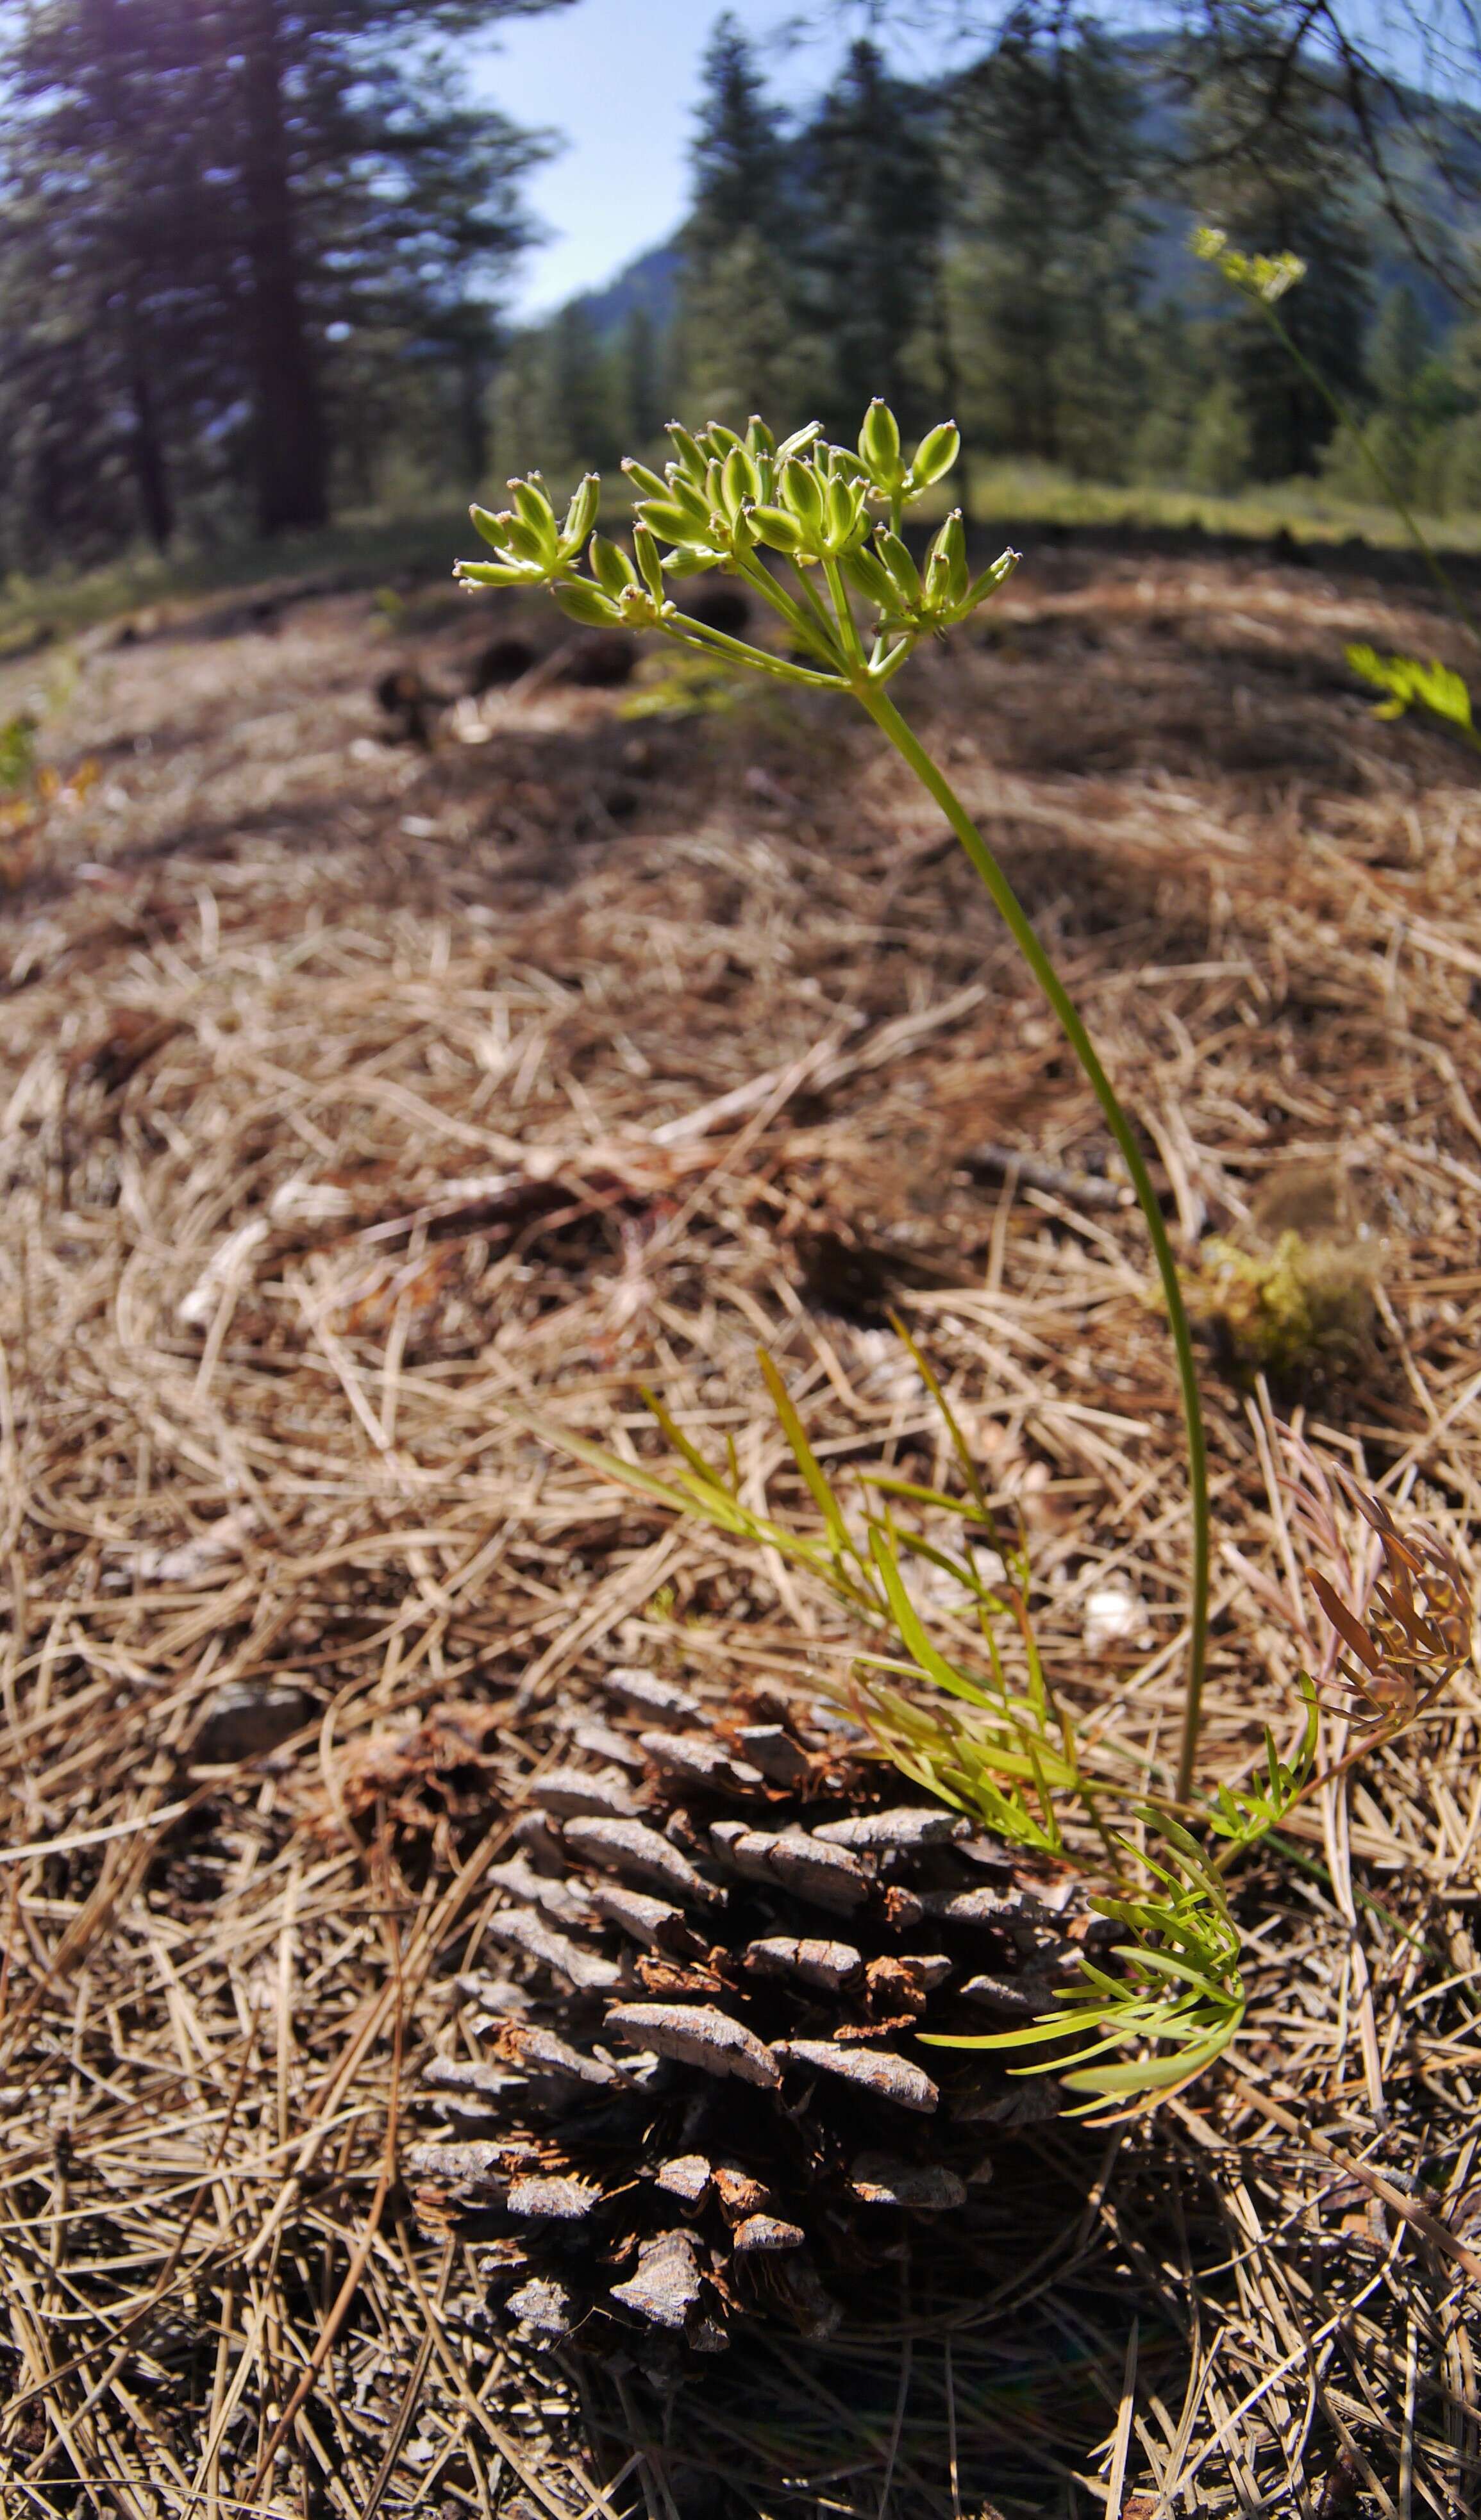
pixel 353 1094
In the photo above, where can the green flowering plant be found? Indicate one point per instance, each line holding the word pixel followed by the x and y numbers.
pixel 815 532
pixel 1262 280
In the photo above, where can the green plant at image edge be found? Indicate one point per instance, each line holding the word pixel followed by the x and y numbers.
pixel 855 608
pixel 1262 280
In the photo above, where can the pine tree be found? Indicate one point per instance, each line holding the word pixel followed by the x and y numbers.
pixel 1396 351
pixel 875 195
pixel 644 409
pixel 1046 268
pixel 290 180
pixel 739 319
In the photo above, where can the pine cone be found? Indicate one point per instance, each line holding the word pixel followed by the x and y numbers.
pixel 707 2090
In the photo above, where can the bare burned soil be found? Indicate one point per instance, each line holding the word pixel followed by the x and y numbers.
pixel 380 1073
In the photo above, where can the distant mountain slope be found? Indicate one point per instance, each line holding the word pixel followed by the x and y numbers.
pixel 651 281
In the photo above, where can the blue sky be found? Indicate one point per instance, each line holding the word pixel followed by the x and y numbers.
pixel 618 78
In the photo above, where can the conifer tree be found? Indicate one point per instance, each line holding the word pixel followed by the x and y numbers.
pixel 1048 274
pixel 740 317
pixel 288 181
pixel 875 203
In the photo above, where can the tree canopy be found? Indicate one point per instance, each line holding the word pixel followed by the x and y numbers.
pixel 243 244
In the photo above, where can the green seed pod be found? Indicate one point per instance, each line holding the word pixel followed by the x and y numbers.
pixel 491 527
pixel 583 602
pixel 799 439
pixel 651 484
pixel 691 502
pixel 581 514
pixel 991 579
pixel 671 522
pixel 866 571
pixel 844 507
pixel 897 558
pixel 742 533
pixel 740 480
pixel 951 539
pixel 692 457
pixel 646 554
pixel 525 543
pixel 722 441
pixel 936 455
pixel 612 568
pixel 880 445
pixel 534 510
pixel 775 527
pixel 758 437
pixel 803 493
pixel 487 573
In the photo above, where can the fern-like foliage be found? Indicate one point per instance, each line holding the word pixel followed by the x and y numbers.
pixel 1180 1999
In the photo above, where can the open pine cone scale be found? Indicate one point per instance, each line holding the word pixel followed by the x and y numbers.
pixel 701 2089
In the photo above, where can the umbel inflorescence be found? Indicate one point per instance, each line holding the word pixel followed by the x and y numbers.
pixel 724 502
pixel 718 1942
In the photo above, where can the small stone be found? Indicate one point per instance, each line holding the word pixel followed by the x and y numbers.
pixel 1115 1615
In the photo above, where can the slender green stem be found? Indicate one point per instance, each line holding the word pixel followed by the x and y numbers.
pixel 815 604
pixel 699 634
pixel 816 633
pixel 1021 929
pixel 853 645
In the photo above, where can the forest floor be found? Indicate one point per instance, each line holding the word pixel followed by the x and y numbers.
pixel 370 1079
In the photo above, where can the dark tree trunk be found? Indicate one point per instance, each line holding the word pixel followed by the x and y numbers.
pixel 146 450
pixel 291 456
